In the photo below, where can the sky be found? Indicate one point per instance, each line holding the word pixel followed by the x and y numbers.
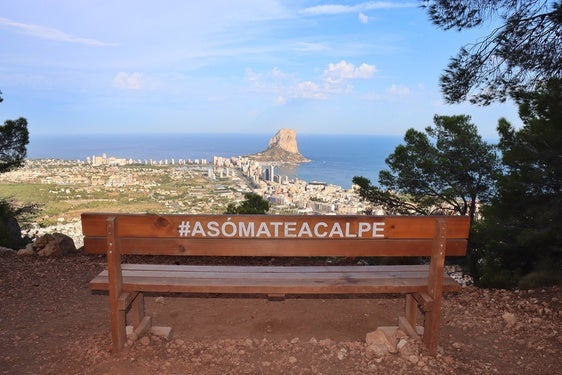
pixel 229 66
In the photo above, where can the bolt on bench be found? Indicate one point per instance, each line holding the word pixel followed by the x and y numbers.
pixel 115 234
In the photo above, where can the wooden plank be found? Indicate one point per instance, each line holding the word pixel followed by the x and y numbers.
pixel 257 276
pixel 137 309
pixel 275 248
pixel 249 285
pixel 140 329
pixel 435 288
pixel 407 327
pixel 148 225
pixel 125 300
pixel 411 309
pixel 274 269
pixel 424 300
pixel 267 272
pixel 117 315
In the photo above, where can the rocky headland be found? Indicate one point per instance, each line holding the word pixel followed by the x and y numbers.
pixel 282 148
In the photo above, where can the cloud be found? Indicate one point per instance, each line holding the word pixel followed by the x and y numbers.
pixel 48 33
pixel 133 81
pixel 311 47
pixel 309 90
pixel 364 19
pixel 343 70
pixel 286 86
pixel 330 9
pixel 280 100
pixel 399 90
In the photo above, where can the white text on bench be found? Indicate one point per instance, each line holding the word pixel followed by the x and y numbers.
pixel 280 229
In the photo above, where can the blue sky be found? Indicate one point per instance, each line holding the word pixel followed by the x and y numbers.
pixel 252 66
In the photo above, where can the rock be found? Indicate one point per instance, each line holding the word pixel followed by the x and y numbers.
pixel 53 245
pixel 509 319
pixel 376 350
pixel 282 149
pixel 285 139
pixel 145 340
pixel 379 337
pixel 342 353
pixel 4 250
pixel 25 252
pixel 292 360
pixel 10 231
pixel 326 342
pixel 413 358
pixel 407 349
pixel 393 334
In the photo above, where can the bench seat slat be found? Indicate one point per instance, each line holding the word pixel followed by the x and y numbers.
pixel 266 280
pixel 274 269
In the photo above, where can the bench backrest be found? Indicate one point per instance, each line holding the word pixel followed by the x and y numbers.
pixel 273 235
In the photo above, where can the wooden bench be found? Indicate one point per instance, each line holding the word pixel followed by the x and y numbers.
pixel 274 236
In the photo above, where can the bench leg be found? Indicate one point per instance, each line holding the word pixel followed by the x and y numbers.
pixel 141 323
pixel 431 329
pixel 137 310
pixel 407 323
pixel 411 309
pixel 118 330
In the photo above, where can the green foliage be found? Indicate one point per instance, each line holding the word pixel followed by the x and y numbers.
pixel 10 231
pixel 522 230
pixel 525 49
pixel 14 138
pixel 252 204
pixel 445 170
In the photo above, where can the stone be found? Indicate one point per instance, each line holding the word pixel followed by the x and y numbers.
pixel 457 345
pixel 4 250
pixel 53 245
pixel 401 344
pixel 376 350
pixel 392 334
pixel 292 360
pixel 413 358
pixel 25 252
pixel 407 349
pixel 10 231
pixel 509 319
pixel 164 332
pixel 379 337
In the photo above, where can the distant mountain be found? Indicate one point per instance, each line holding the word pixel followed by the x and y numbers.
pixel 282 149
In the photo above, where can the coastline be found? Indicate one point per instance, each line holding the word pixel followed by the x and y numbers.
pixel 335 159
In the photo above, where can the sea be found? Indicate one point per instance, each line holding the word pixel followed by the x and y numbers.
pixel 335 159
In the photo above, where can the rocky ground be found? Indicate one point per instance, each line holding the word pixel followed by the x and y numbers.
pixel 50 323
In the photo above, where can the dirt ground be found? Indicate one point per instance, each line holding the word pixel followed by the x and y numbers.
pixel 51 323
